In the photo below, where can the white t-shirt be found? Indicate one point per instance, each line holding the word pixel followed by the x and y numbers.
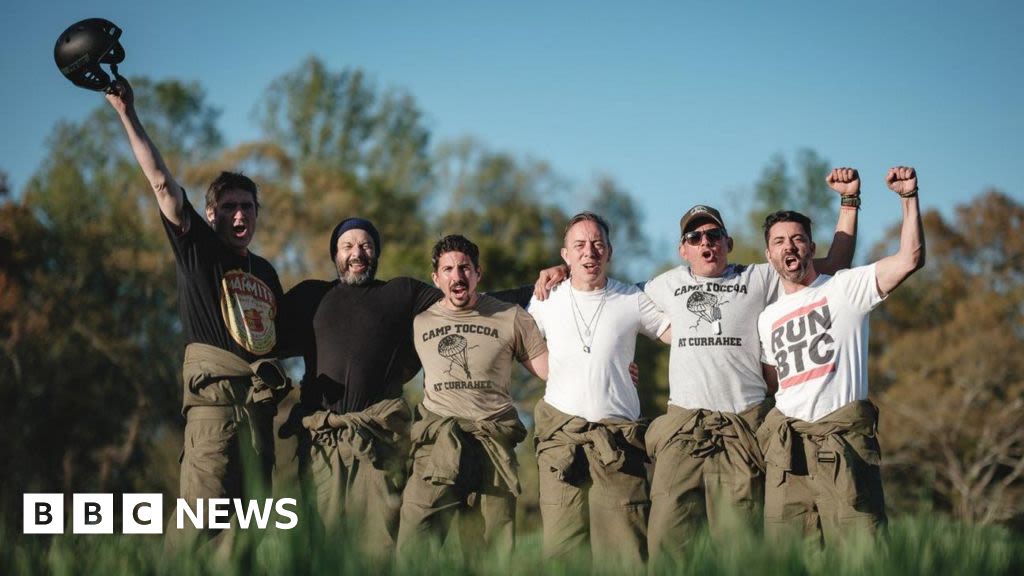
pixel 595 385
pixel 817 338
pixel 715 363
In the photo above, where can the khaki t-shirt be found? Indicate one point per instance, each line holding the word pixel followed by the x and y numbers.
pixel 467 356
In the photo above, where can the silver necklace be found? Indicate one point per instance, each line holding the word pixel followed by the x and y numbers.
pixel 586 335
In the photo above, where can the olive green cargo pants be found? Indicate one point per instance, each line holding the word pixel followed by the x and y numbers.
pixel 707 468
pixel 823 479
pixel 593 486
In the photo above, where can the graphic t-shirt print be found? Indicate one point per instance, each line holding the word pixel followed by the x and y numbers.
pixel 802 346
pixel 464 368
pixel 248 308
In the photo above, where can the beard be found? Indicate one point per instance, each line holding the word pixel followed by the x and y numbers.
pixel 796 275
pixel 347 276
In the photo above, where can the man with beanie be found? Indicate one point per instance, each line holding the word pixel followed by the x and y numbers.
pixel 355 334
pixel 704 451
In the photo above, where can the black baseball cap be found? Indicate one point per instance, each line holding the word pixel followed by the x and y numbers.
pixel 699 212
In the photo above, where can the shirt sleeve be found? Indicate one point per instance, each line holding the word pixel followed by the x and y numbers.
pixel 764 338
pixel 424 296
pixel 652 320
pixel 295 320
pixel 766 273
pixel 193 248
pixel 860 285
pixel 536 310
pixel 529 340
pixel 656 290
pixel 520 296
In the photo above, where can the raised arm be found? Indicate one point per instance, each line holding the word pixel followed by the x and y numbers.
pixel 169 195
pixel 845 181
pixel 891 271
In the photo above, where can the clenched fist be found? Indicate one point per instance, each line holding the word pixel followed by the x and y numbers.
pixel 844 180
pixel 120 95
pixel 902 180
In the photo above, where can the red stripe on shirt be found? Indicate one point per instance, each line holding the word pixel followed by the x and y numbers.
pixel 809 375
pixel 799 312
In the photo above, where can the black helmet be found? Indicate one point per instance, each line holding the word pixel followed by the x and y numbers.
pixel 83 47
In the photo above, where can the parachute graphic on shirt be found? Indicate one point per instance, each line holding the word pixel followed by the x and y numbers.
pixel 453 347
pixel 707 308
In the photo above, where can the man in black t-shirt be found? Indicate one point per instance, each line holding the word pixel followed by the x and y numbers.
pixel 355 334
pixel 228 299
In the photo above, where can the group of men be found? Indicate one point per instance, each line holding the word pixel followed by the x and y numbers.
pixel 790 332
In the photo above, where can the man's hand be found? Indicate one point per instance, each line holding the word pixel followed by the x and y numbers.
pixel 634 373
pixel 844 180
pixel 120 95
pixel 902 180
pixel 548 279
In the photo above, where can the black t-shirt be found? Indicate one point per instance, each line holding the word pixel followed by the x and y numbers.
pixel 357 340
pixel 225 300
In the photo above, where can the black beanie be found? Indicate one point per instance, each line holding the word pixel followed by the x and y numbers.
pixel 353 224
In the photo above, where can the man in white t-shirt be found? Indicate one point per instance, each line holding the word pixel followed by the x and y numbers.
pixel 704 448
pixel 593 485
pixel 820 441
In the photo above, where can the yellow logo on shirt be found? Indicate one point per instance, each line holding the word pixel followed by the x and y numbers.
pixel 248 307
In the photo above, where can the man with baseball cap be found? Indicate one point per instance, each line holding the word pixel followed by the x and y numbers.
pixel 704 448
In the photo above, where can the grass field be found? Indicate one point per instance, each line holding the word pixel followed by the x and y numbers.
pixel 912 545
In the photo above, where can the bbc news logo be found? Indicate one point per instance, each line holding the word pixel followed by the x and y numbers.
pixel 143 513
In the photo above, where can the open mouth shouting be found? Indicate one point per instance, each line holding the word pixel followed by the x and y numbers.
pixel 357 265
pixel 239 230
pixel 794 268
pixel 459 290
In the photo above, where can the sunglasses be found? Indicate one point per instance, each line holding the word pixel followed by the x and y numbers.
pixel 714 236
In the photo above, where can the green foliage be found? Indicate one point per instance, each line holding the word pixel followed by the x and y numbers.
pixel 334 147
pixel 913 545
pixel 957 412
pixel 90 341
pixel 90 332
pixel 801 187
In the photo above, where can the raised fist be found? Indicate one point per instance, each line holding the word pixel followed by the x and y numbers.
pixel 120 94
pixel 902 180
pixel 844 180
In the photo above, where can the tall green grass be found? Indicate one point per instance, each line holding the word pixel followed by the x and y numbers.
pixel 925 545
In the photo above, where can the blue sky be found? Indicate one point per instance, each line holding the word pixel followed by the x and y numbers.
pixel 682 102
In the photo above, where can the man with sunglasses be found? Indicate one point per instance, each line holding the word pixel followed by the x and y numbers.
pixel 705 453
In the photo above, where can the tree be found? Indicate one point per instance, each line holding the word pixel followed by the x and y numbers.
pixel 335 146
pixel 90 330
pixel 779 189
pixel 950 366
